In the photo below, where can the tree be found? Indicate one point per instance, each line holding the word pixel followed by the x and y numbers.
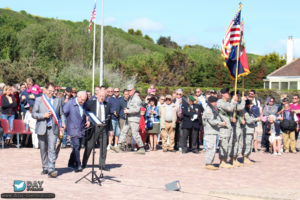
pixel 131 31
pixel 138 33
pixel 147 37
pixel 167 42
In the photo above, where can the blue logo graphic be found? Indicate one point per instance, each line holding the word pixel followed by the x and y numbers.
pixel 19 186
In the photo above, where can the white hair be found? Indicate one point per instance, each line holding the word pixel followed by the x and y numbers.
pixel 179 90
pixel 271 116
pixel 81 93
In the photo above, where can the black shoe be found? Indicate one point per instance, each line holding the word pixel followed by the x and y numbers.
pixel 79 169
pixel 83 166
pixel 196 152
pixel 172 150
pixel 44 172
pixel 184 152
pixel 53 174
pixel 72 166
pixel 104 168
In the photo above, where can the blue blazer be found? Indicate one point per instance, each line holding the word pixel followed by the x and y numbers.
pixel 75 123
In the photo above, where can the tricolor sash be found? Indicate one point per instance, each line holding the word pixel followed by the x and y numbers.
pixel 50 107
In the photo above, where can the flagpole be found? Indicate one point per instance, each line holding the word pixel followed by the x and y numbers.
pixel 101 46
pixel 237 63
pixel 94 55
pixel 243 86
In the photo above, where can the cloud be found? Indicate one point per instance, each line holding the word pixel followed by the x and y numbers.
pixel 144 24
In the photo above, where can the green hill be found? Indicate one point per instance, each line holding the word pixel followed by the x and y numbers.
pixel 61 51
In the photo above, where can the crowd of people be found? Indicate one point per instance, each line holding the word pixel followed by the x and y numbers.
pixel 223 122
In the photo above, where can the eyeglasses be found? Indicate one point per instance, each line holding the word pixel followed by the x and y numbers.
pixel 179 94
pixel 295 97
pixel 198 91
pixel 168 99
pixel 162 99
pixel 116 91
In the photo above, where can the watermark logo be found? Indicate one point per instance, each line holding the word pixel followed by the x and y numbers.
pixel 19 186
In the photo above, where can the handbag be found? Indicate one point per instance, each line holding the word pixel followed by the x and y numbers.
pixel 149 124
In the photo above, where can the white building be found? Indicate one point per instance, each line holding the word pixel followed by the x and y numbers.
pixel 287 76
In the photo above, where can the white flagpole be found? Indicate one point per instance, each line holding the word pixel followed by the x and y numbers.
pixel 94 54
pixel 101 45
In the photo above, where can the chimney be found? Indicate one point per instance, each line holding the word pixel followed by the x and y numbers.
pixel 290 50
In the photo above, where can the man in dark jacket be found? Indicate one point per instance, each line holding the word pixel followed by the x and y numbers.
pixel 190 124
pixel 76 123
pixel 101 109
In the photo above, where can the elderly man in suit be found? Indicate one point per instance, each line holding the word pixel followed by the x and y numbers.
pixel 48 112
pixel 76 124
pixel 101 109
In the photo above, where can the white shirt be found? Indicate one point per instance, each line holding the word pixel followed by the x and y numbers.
pixel 30 121
pixel 102 117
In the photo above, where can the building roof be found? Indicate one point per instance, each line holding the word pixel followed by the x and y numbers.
pixel 291 69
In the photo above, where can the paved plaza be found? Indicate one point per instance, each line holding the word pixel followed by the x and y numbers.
pixel 144 176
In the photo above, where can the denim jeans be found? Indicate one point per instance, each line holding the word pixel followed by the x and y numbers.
pixel 116 127
pixel 11 123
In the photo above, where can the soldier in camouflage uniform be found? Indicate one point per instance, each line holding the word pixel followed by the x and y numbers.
pixel 212 124
pixel 225 142
pixel 132 122
pixel 251 121
pixel 238 129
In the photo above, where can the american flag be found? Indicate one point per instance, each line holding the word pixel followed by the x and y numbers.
pixel 92 17
pixel 232 35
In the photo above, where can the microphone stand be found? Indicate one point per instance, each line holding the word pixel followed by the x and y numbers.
pixel 95 178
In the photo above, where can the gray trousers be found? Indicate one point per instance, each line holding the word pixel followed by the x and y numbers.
pixel 134 126
pixel 237 142
pixel 210 151
pixel 248 144
pixel 225 143
pixel 47 145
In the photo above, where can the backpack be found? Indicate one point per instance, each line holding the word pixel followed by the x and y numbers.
pixel 288 125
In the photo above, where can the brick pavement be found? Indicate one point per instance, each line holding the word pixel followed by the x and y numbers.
pixel 143 177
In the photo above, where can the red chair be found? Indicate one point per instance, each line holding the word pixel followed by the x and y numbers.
pixel 6 129
pixel 20 128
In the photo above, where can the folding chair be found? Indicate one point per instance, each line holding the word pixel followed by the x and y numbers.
pixel 20 128
pixel 6 129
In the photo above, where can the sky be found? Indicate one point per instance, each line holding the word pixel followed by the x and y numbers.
pixel 268 23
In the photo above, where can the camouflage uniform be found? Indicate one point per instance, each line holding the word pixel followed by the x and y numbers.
pixel 212 124
pixel 225 141
pixel 249 133
pixel 132 122
pixel 238 130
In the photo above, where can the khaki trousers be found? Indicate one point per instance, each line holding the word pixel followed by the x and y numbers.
pixel 165 133
pixel 289 141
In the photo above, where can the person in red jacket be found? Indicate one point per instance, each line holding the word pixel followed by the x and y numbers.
pixel 142 129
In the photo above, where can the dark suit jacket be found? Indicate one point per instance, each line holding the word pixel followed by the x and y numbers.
pixel 91 106
pixel 75 123
pixel 188 113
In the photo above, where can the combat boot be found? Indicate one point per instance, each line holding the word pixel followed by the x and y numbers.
pixel 116 149
pixel 141 151
pixel 247 161
pixel 236 163
pixel 223 164
pixel 211 167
